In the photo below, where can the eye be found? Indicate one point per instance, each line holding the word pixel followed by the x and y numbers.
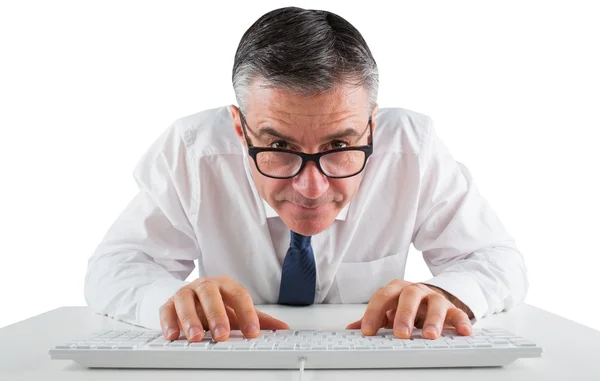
pixel 280 144
pixel 338 144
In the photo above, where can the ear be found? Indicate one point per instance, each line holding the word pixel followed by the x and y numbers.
pixel 373 115
pixel 237 123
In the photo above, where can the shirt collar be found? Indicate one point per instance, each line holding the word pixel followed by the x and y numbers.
pixel 270 212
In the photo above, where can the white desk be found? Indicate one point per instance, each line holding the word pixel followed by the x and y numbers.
pixel 571 350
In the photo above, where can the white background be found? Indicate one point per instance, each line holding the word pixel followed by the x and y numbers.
pixel 85 87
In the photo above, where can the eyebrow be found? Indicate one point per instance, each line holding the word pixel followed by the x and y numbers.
pixel 347 133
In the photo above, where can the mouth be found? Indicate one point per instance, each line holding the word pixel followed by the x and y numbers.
pixel 309 208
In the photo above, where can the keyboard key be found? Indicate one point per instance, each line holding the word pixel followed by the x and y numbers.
pixel 139 343
pixel 242 346
pixel 460 345
pixel 462 338
pixel 341 347
pixel 178 343
pixel 449 333
pixel 307 333
pixel 296 339
pixel 264 346
pixel 475 341
pixel 440 344
pixel 284 332
pixel 286 347
pixel 203 343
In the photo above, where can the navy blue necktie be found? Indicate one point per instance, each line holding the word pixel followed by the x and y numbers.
pixel 298 274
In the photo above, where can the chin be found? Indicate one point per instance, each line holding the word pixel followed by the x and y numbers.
pixel 308 222
pixel 309 228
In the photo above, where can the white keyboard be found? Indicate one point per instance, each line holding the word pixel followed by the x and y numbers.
pixel 293 349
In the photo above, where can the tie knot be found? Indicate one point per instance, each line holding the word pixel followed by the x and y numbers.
pixel 300 241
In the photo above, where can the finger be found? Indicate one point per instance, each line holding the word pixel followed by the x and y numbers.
pixel 168 320
pixel 233 320
pixel 420 317
pixel 390 314
pixel 387 323
pixel 238 298
pixel 185 306
pixel 437 308
pixel 354 324
pixel 384 299
pixel 269 322
pixel 408 305
pixel 213 307
pixel 459 319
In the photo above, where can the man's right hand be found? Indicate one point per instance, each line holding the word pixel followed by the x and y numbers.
pixel 219 304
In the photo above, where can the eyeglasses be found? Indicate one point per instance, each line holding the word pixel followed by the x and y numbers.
pixel 337 163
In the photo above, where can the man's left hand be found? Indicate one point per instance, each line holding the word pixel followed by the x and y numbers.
pixel 403 305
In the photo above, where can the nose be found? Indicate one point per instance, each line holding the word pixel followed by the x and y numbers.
pixel 311 183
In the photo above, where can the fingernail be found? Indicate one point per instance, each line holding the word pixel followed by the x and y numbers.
pixel 220 331
pixel 194 331
pixel 170 331
pixel 368 327
pixel 252 328
pixel 431 328
pixel 402 329
pixel 465 326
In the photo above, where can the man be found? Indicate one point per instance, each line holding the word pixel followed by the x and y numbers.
pixel 306 193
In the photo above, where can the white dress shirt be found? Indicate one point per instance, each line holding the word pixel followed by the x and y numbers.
pixel 197 201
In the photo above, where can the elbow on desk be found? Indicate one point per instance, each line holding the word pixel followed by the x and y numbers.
pixel 510 284
pixel 107 292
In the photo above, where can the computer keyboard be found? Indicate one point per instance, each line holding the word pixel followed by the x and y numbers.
pixel 297 349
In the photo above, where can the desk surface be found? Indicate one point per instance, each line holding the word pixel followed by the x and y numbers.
pixel 571 350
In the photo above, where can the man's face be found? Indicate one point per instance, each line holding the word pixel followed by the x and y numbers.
pixel 309 202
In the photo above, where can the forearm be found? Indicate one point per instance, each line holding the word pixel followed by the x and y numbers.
pixel 488 281
pixel 130 286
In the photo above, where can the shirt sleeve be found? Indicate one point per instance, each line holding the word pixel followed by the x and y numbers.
pixel 464 244
pixel 150 249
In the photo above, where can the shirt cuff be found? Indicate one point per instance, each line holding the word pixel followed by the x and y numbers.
pixel 157 294
pixel 465 289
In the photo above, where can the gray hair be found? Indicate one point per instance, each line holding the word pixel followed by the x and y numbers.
pixel 303 51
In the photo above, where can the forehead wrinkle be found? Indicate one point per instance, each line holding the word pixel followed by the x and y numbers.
pixel 344 131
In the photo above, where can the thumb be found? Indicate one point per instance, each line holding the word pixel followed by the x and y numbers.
pixel 269 322
pixel 355 325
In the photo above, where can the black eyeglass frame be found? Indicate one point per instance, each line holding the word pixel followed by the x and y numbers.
pixel 306 157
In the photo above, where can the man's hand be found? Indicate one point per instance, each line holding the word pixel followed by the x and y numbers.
pixel 219 304
pixel 402 305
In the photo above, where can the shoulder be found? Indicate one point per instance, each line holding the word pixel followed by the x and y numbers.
pixel 205 133
pixel 208 132
pixel 399 130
